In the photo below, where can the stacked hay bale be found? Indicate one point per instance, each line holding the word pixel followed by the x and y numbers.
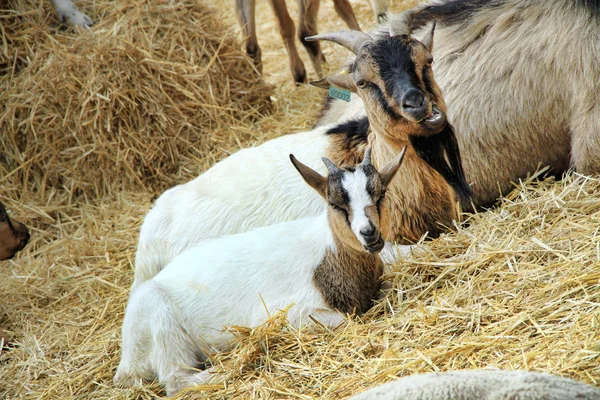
pixel 124 105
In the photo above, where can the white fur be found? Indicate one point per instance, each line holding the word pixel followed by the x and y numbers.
pixel 180 314
pixel 254 187
pixel 355 185
pixel 68 11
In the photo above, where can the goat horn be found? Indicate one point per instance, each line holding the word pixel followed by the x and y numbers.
pixel 352 40
pixel 367 160
pixel 402 24
pixel 331 167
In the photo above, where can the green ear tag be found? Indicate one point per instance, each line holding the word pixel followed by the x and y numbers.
pixel 338 93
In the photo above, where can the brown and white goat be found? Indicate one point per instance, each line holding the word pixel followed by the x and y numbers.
pixel 522 83
pixel 326 266
pixel 307 26
pixel 255 187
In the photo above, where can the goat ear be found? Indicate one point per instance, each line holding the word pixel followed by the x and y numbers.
pixel 312 177
pixel 343 81
pixel 388 172
pixel 428 39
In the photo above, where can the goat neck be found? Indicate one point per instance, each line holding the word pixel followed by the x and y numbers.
pixel 348 279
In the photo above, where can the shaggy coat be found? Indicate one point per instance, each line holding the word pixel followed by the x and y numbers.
pixel 522 82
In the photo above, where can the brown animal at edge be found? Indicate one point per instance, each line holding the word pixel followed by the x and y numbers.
pixel 13 238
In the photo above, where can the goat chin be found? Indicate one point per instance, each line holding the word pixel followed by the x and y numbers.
pixel 252 188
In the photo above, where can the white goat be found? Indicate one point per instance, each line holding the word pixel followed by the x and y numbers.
pixel 68 11
pixel 482 385
pixel 256 187
pixel 327 266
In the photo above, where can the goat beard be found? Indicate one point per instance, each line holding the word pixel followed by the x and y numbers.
pixel 442 153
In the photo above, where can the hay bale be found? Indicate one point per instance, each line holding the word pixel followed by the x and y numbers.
pixel 123 105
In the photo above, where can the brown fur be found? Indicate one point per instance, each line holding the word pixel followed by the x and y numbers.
pixel 420 200
pixel 307 27
pixel 349 280
pixel 349 276
pixel 13 235
pixel 522 91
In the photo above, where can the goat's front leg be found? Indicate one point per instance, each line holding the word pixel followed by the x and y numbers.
pixel 245 12
pixel 67 11
pixel 288 33
pixel 346 13
pixel 307 26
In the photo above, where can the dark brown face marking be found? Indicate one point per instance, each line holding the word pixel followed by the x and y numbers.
pixel 394 78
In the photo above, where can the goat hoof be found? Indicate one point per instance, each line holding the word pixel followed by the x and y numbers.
pixel 300 77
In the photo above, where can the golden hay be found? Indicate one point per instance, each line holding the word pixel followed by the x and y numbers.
pixel 517 288
pixel 125 104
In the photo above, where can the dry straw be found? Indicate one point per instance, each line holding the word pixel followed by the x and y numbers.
pixel 518 287
pixel 125 105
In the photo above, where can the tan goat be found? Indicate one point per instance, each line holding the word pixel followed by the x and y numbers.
pixel 522 83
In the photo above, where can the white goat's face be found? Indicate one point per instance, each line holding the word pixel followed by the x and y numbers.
pixel 354 196
pixel 13 235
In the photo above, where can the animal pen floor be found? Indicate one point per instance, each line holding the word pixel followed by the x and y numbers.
pixel 516 289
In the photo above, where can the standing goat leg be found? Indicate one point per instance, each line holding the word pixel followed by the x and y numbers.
pixel 287 31
pixel 308 27
pixel 244 10
pixel 344 10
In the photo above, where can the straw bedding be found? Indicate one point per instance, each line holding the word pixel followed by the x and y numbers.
pixel 516 288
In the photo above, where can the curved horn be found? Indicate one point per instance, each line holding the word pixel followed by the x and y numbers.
pixel 352 40
pixel 331 167
pixel 402 24
pixel 367 160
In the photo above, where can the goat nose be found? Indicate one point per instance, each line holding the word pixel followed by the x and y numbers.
pixel 413 99
pixel 368 231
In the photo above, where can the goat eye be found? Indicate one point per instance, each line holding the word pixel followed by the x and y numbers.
pixel 362 84
pixel 339 209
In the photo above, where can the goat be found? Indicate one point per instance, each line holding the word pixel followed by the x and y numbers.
pixel 523 92
pixel 326 265
pixel 255 187
pixel 482 385
pixel 13 235
pixel 307 26
pixel 68 11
